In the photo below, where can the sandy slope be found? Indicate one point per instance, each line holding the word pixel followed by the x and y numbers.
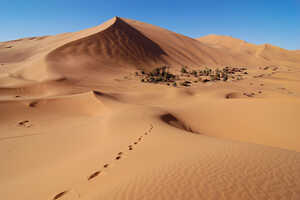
pixel 73 128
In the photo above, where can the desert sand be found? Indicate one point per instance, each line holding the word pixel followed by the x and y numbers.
pixel 77 123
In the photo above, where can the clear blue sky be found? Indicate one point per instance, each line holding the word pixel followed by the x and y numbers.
pixel 276 22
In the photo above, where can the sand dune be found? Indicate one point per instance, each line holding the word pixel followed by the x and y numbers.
pixel 265 54
pixel 117 45
pixel 77 123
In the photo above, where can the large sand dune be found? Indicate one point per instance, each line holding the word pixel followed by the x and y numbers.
pixel 76 123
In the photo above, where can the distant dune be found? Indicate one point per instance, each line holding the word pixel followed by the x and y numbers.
pixel 262 54
pixel 80 120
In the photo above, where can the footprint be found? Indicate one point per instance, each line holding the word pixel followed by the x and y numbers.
pixel 93 175
pixel 59 195
pixel 249 94
pixel 106 165
pixel 135 143
pixel 130 148
pixel 118 157
pixel 120 153
pixel 33 104
pixel 146 133
pixel 25 123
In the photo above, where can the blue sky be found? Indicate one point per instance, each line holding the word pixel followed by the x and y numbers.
pixel 276 22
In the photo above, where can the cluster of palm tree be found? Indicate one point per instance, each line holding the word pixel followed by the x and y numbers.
pixel 163 75
pixel 160 74
pixel 215 75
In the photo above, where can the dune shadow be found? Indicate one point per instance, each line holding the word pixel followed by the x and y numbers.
pixel 105 95
pixel 233 95
pixel 175 122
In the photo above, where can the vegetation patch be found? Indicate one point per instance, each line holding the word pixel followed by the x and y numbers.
pixel 186 77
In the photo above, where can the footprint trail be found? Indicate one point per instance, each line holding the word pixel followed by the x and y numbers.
pixel 105 166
